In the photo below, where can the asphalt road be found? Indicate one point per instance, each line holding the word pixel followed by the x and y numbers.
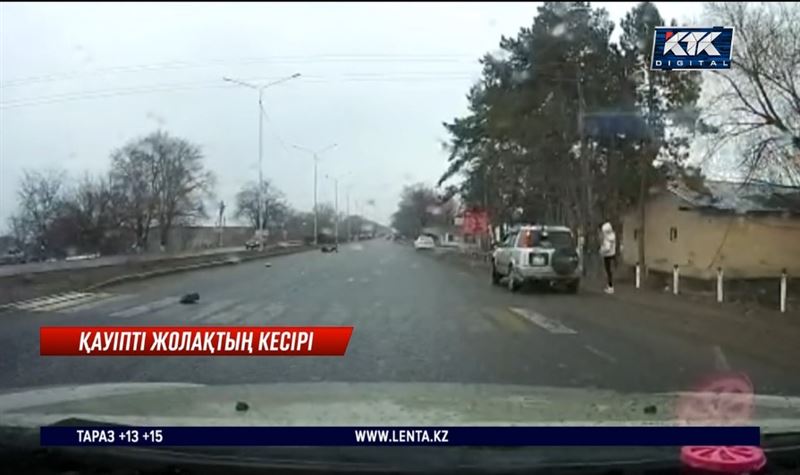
pixel 417 319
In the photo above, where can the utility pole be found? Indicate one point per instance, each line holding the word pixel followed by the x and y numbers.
pixel 315 157
pixel 347 211
pixel 260 89
pixel 336 204
pixel 221 221
pixel 316 232
pixel 643 169
pixel 336 207
pixel 585 171
pixel 260 171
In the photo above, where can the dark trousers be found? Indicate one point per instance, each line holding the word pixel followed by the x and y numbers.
pixel 608 262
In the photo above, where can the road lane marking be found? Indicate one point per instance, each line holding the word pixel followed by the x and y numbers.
pixel 506 320
pixel 42 302
pixel 144 308
pixel 227 311
pixel 601 354
pixel 241 312
pixel 720 361
pixel 56 302
pixel 33 302
pixel 96 303
pixel 208 309
pixel 274 310
pixel 71 302
pixel 549 324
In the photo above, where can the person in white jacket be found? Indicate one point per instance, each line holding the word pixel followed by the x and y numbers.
pixel 608 249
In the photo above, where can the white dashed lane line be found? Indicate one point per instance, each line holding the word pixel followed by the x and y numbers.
pixel 601 354
pixel 80 307
pixel 549 324
pixel 144 308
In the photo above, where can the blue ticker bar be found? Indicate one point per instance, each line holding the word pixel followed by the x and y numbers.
pixel 409 436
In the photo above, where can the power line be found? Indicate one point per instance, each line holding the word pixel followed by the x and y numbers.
pixel 382 76
pixel 275 132
pixel 302 59
pixel 350 77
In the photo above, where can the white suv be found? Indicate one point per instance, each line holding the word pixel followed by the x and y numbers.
pixel 538 253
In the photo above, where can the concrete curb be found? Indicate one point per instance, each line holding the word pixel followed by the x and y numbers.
pixel 174 270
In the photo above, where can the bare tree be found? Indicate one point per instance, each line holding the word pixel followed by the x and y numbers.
pixel 134 177
pixel 274 209
pixel 161 180
pixel 419 207
pixel 90 219
pixel 184 183
pixel 40 197
pixel 759 103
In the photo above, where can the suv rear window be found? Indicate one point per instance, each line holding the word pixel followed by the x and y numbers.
pixel 552 239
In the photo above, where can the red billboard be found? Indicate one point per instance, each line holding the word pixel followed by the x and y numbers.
pixel 475 222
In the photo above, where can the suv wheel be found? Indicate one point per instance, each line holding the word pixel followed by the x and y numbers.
pixel 495 275
pixel 513 286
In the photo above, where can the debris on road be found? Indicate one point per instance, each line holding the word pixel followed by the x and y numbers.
pixel 190 298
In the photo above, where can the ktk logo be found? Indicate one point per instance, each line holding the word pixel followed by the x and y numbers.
pixel 682 48
pixel 696 43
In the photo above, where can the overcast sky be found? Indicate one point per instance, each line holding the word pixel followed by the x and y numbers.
pixel 79 80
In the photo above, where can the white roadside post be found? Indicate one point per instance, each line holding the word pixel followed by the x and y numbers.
pixel 638 275
pixel 783 291
pixel 719 285
pixel 675 279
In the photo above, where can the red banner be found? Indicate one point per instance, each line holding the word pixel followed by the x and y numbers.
pixel 194 341
pixel 476 222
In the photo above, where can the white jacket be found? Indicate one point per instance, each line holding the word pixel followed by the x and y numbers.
pixel 608 247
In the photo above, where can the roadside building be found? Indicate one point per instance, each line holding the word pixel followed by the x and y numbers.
pixel 750 231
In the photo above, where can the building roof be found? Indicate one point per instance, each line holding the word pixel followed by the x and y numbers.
pixel 739 198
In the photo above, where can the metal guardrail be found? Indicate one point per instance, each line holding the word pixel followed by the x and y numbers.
pixel 38 267
pixel 25 285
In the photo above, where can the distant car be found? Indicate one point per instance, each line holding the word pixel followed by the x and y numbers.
pixel 251 244
pixel 537 253
pixel 14 256
pixel 424 242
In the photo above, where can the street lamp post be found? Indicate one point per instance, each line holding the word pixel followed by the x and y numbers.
pixel 347 211
pixel 336 204
pixel 315 157
pixel 260 89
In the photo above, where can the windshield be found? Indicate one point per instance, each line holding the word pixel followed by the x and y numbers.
pixel 368 171
pixel 548 239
